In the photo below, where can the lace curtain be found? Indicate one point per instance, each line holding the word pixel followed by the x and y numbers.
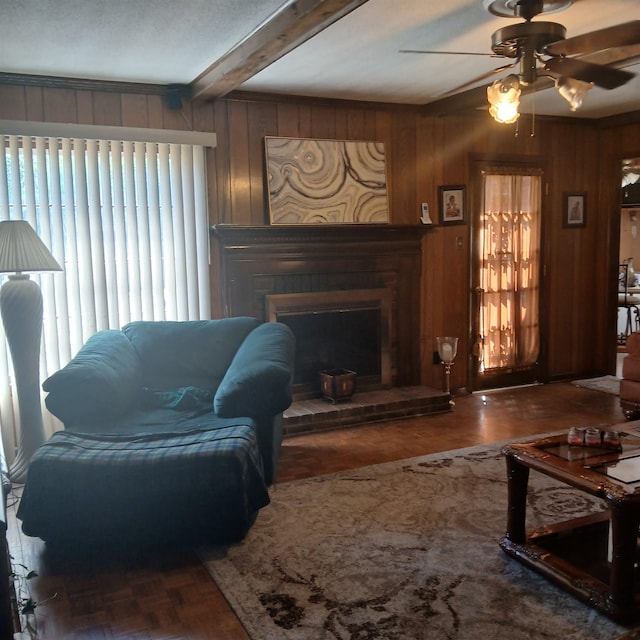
pixel 510 270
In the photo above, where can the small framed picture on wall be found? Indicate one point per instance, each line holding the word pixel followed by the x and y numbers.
pixel 452 204
pixel 575 209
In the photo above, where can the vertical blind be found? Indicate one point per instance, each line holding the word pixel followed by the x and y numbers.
pixel 128 223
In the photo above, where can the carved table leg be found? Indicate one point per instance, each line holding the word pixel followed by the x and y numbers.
pixel 624 531
pixel 517 481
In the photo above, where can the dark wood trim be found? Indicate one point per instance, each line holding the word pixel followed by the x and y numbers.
pixel 86 84
pixel 258 96
pixel 172 94
pixel 241 236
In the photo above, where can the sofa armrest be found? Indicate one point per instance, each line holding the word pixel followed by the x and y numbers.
pixel 98 385
pixel 631 367
pixel 259 380
pixel 633 344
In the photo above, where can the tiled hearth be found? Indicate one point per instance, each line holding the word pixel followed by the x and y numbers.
pixel 370 406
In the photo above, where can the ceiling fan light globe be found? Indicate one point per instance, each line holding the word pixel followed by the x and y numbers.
pixel 504 98
pixel 573 91
pixel 504 114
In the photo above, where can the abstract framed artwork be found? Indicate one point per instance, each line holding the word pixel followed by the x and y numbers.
pixel 575 209
pixel 452 204
pixel 326 181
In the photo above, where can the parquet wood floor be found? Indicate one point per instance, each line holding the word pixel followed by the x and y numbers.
pixel 166 596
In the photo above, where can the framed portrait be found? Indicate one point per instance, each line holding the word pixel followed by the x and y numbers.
pixel 452 204
pixel 575 209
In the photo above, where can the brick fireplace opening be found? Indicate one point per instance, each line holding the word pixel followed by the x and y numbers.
pixel 337 330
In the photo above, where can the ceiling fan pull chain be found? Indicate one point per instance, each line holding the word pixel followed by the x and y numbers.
pixel 533 115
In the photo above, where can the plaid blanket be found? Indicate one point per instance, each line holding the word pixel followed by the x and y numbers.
pixel 198 484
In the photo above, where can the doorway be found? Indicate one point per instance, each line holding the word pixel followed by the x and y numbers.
pixel 628 318
pixel 507 276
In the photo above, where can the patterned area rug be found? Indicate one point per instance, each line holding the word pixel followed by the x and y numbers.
pixel 402 550
pixel 606 384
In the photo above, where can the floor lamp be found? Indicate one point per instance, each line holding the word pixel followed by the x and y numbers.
pixel 21 308
pixel 447 350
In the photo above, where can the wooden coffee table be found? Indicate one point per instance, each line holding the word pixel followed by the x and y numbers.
pixel 595 558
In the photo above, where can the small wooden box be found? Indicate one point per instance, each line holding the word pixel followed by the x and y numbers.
pixel 337 384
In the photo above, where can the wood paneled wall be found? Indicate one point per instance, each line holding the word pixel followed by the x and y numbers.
pixel 578 302
pixel 423 153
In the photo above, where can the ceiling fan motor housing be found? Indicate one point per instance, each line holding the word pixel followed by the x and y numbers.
pixel 513 40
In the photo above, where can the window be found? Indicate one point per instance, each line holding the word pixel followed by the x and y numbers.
pixel 128 223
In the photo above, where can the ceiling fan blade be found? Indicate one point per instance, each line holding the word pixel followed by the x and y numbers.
pixel 481 77
pixel 619 58
pixel 466 100
pixel 600 75
pixel 617 36
pixel 448 53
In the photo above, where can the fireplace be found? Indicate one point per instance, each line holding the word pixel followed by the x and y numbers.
pixel 323 279
pixel 337 330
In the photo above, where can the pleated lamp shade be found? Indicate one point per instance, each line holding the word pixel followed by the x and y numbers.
pixel 22 250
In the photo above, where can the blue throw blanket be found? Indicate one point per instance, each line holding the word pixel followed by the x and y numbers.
pixel 200 482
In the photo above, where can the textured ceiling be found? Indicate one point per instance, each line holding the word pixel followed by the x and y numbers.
pixel 153 41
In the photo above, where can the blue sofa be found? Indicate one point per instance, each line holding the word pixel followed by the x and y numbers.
pixel 172 434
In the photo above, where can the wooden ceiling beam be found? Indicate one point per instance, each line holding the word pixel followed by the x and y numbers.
pixel 284 31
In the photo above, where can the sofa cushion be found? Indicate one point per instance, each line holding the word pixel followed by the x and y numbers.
pixel 99 384
pixel 193 353
pixel 259 380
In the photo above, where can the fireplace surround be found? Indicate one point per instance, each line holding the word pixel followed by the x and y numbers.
pixel 371 269
pixel 347 329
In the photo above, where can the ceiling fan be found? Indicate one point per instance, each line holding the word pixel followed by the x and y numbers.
pixel 541 49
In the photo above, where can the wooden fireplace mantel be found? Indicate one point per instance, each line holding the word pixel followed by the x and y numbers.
pixel 257 261
pixel 245 237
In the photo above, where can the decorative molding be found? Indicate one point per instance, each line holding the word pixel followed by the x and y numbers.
pixel 172 94
pixel 87 84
